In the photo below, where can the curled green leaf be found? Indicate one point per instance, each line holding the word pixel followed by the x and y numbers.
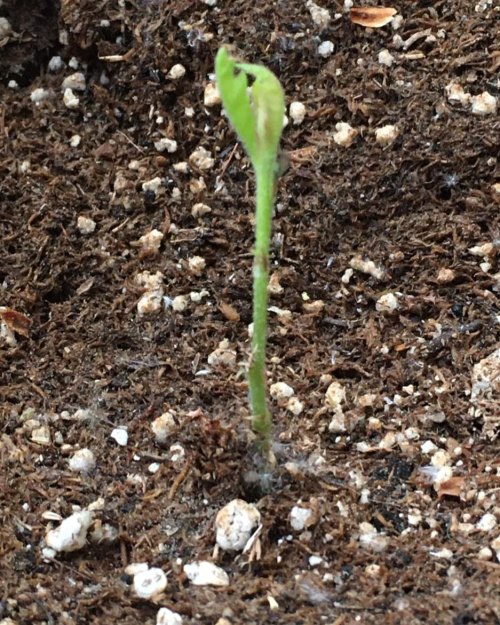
pixel 256 112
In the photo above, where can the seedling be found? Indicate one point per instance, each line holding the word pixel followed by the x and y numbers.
pixel 256 112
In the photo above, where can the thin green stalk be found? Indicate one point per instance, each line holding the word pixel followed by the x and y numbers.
pixel 265 178
pixel 256 112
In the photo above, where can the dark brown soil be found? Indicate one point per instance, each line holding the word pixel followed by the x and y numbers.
pixel 414 207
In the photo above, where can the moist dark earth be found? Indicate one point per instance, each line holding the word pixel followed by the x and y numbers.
pixel 401 470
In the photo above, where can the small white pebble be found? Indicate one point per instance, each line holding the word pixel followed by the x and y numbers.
pixel 414 517
pixel 484 250
pixel 484 104
pixel 388 441
pixel 223 356
pixel 445 275
pixel 56 64
pixel 274 286
pixel 325 49
pixel 75 141
pixel 200 209
pixel 412 434
pixel 387 303
pixel 315 560
pixel 85 225
pixel 176 71
pixel 167 617
pixel 367 400
pixel 300 518
pixel 180 303
pixel 148 584
pixel 177 452
pixel 364 497
pixel 371 539
pixel 335 395
pixel 149 281
pixel 197 186
pixel 386 134
pixel 150 302
pixel 235 523
pixel 12 84
pixel 152 185
pixel 280 391
pixel 153 468
pixel 344 134
pixel 71 535
pixel 314 307
pixel 385 58
pixel 197 296
pixel 204 573
pixel 136 567
pixel 196 265
pixel 165 144
pixel 211 95
pixel 120 435
pixel 82 461
pixel 347 275
pixel 295 406
pixel 163 426
pixel 181 167
pixel 428 447
pixel 320 16
pixel 398 42
pixel 71 101
pixel 297 112
pixel 485 553
pixel 440 459
pixel 75 82
pixel 73 62
pixel 367 266
pixel 202 159
pixel 5 27
pixel 39 95
pixel 41 435
pixel 373 570
pixel 397 22
pixel 151 241
pixel 487 522
pixel 337 423
pixel 445 554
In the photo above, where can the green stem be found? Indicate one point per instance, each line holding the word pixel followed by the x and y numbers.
pixel 265 176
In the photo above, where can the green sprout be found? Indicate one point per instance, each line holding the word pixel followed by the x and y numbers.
pixel 256 113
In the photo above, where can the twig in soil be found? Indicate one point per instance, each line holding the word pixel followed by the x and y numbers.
pixel 228 161
pixel 123 549
pixel 73 571
pixel 178 481
pixel 137 147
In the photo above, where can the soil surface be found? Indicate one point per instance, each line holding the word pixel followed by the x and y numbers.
pixel 384 318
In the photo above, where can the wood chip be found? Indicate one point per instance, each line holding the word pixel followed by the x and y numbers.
pixel 229 312
pixel 372 17
pixel 15 321
pixel 451 487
